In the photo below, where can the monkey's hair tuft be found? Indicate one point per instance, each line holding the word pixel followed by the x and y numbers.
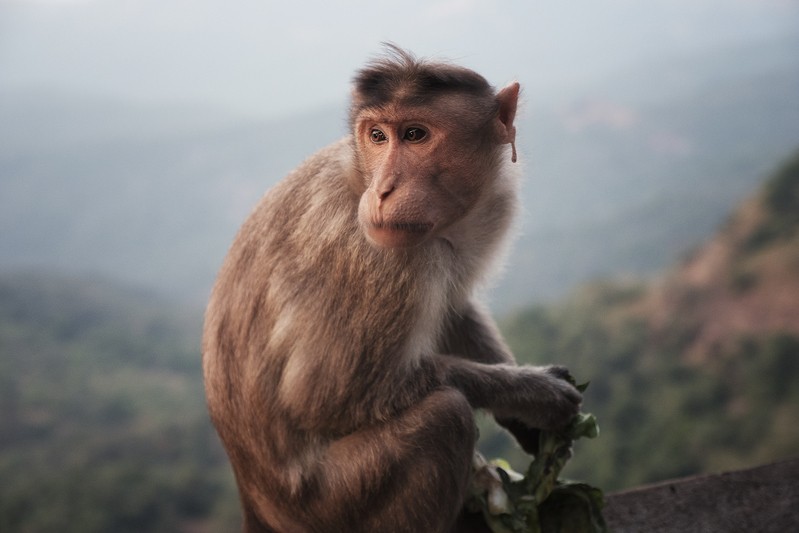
pixel 399 72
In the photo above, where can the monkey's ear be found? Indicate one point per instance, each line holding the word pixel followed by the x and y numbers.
pixel 508 98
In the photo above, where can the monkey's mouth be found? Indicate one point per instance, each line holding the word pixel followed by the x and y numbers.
pixel 398 234
pixel 407 227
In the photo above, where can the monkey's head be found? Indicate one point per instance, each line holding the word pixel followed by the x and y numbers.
pixel 428 137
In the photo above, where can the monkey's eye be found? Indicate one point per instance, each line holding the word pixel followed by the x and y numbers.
pixel 377 136
pixel 414 134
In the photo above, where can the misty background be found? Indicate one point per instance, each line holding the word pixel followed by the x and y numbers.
pixel 136 136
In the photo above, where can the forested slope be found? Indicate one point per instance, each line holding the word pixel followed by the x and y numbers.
pixel 695 371
pixel 102 415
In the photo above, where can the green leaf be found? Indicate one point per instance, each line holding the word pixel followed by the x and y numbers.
pixel 584 425
pixel 541 502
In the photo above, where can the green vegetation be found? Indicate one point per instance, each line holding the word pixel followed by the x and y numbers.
pixel 662 416
pixel 781 196
pixel 102 415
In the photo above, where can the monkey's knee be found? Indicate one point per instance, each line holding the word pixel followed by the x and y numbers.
pixel 445 443
pixel 450 419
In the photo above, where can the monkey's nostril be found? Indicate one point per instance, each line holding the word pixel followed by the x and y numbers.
pixel 383 194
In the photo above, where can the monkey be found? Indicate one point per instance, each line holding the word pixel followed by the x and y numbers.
pixel 344 348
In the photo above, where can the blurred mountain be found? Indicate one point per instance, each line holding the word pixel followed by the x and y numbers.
pixel 621 176
pixel 695 371
pixel 132 194
pixel 625 179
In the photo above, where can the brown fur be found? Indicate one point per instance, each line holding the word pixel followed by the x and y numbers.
pixel 326 333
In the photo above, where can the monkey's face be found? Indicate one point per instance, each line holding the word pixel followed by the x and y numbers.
pixel 423 169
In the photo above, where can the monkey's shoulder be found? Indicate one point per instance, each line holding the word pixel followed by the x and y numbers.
pixel 328 171
pixel 319 188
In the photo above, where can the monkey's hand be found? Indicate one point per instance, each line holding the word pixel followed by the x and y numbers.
pixel 527 437
pixel 557 404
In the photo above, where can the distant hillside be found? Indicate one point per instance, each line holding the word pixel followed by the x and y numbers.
pixel 745 282
pixel 102 415
pixel 694 372
pixel 620 176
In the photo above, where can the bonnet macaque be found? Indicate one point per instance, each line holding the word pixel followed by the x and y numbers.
pixel 344 353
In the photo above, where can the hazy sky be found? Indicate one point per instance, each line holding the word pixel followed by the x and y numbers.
pixel 272 58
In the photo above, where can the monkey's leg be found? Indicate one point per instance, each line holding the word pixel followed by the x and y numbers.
pixel 407 474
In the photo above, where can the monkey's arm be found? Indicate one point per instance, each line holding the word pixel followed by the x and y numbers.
pixel 530 396
pixel 472 333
